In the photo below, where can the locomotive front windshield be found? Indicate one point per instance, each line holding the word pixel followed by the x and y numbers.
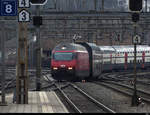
pixel 63 56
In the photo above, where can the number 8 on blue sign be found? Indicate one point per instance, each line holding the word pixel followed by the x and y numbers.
pixel 8 7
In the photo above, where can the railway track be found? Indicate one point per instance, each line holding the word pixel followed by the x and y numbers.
pixel 75 95
pixel 126 78
pixel 125 89
pixel 10 79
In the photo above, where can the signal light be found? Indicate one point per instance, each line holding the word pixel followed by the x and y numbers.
pixel 37 20
pixel 136 5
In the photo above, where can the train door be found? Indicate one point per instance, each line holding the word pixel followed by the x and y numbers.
pixel 95 64
pixel 143 59
pixel 102 61
pixel 82 66
pixel 126 60
pixel 111 61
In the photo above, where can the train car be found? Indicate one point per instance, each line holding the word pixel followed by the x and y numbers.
pixel 145 57
pixel 124 57
pixel 121 57
pixel 87 60
pixel 95 58
pixel 69 61
pixel 108 57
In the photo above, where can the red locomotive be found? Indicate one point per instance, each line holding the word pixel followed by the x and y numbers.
pixel 72 61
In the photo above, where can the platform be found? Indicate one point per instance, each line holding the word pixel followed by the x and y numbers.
pixel 39 102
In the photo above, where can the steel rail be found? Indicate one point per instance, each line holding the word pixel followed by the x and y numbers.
pixel 126 86
pixel 68 100
pixel 93 100
pixel 120 78
pixel 120 91
pixel 8 84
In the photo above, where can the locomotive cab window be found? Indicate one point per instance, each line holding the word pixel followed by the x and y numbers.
pixel 63 56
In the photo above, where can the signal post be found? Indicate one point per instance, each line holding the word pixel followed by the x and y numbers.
pixel 37 22
pixel 22 54
pixel 135 6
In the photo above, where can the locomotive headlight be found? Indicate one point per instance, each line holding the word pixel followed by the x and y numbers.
pixel 55 68
pixel 70 68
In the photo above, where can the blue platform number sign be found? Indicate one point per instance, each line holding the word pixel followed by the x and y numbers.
pixel 8 7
